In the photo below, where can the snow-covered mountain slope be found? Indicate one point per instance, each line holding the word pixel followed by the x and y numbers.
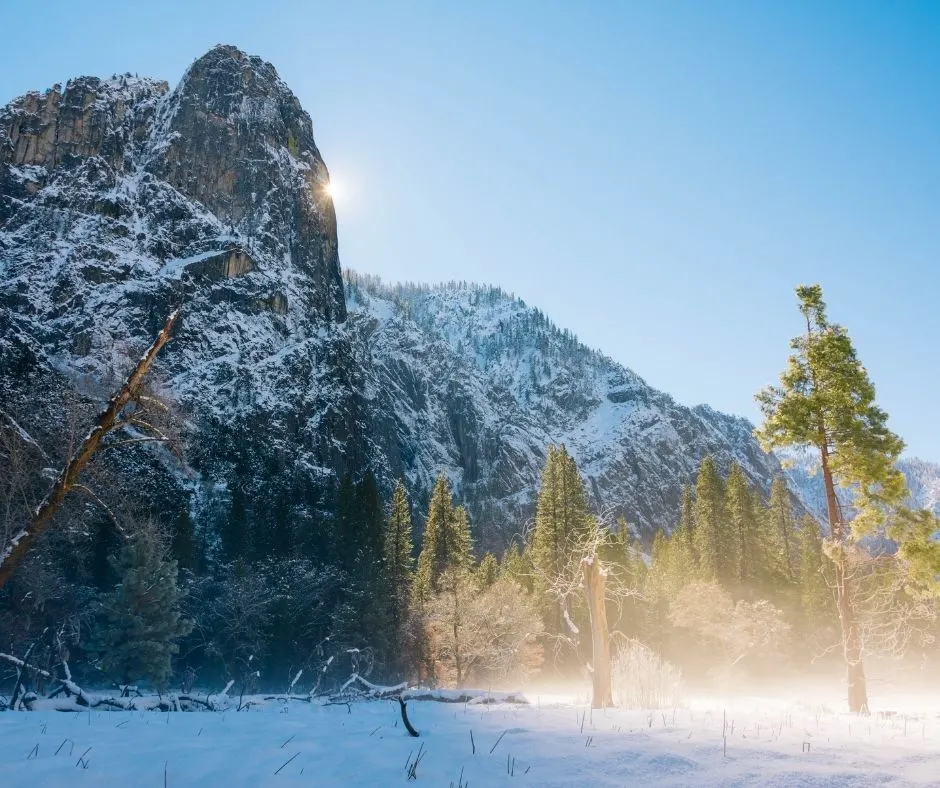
pixel 121 199
pixel 801 469
pixel 473 381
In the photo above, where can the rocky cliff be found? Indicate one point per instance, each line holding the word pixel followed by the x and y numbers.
pixel 474 381
pixel 120 200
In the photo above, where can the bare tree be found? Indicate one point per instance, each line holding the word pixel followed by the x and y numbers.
pixel 739 628
pixel 583 579
pixel 122 412
pixel 482 634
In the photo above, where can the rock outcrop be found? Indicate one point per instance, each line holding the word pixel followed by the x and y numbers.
pixel 120 200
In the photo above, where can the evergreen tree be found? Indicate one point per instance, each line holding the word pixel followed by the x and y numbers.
pixel 372 523
pixel 105 542
pixel 742 521
pixel 562 518
pixel 142 618
pixel 780 527
pixel 345 540
pixel 686 528
pixel 235 532
pixel 826 401
pixel 184 541
pixel 487 572
pixel 359 538
pixel 919 535
pixel 398 561
pixel 517 567
pixel 446 543
pixel 713 546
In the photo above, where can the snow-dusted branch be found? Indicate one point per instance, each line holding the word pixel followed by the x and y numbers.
pixel 21 542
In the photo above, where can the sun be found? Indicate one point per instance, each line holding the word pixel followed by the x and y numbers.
pixel 332 190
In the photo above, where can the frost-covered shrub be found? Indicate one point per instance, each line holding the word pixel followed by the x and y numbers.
pixel 643 680
pixel 486 636
pixel 741 629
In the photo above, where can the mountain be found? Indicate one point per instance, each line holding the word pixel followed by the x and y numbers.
pixel 801 469
pixel 121 199
pixel 470 379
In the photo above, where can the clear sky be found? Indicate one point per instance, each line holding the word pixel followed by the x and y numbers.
pixel 656 176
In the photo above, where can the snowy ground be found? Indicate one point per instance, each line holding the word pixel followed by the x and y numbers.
pixel 545 743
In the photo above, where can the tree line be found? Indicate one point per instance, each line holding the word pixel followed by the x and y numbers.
pixel 740 586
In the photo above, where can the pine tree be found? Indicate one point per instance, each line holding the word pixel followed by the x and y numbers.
pixel 686 528
pixel 142 617
pixel 780 528
pixel 398 561
pixel 447 540
pixel 487 572
pixel 345 541
pixel 371 539
pixel 562 518
pixel 460 540
pixel 517 567
pixel 184 541
pixel 742 521
pixel 826 401
pixel 713 546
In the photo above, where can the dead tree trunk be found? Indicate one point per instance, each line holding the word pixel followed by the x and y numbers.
pixel 22 541
pixel 595 579
pixel 845 602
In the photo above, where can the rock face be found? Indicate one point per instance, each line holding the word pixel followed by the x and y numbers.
pixel 472 380
pixel 121 199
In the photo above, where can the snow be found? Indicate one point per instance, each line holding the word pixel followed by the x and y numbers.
pixel 548 742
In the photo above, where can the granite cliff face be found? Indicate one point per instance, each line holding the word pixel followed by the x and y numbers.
pixel 473 380
pixel 121 199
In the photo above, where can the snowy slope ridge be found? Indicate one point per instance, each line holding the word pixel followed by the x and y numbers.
pixel 473 381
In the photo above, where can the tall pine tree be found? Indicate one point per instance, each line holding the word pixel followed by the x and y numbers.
pixel 742 521
pixel 713 546
pixel 780 528
pixel 826 401
pixel 561 519
pixel 398 561
pixel 815 594
pixel 447 541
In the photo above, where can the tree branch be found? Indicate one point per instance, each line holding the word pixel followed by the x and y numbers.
pixel 23 541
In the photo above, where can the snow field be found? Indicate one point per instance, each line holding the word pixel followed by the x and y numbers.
pixel 546 743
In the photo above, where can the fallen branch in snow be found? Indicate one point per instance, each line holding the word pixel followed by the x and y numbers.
pixel 374 690
pixel 21 666
pixel 21 542
pixel 469 696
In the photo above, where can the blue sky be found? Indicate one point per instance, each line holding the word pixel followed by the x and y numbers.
pixel 655 176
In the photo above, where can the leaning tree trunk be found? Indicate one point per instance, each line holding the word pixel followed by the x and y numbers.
pixel 595 578
pixel 23 540
pixel 848 616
